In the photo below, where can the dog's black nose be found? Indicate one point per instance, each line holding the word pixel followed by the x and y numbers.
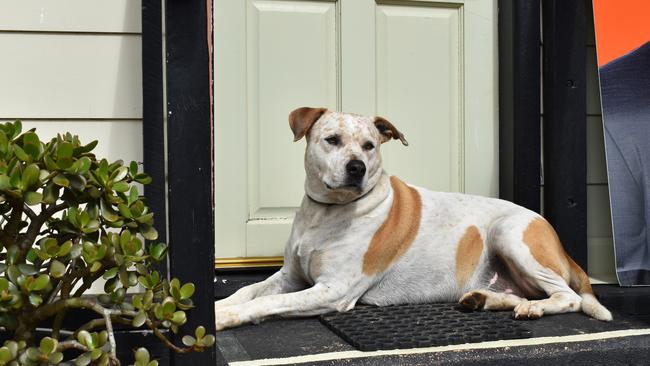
pixel 356 169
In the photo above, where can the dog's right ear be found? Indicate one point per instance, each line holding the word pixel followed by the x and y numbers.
pixel 301 120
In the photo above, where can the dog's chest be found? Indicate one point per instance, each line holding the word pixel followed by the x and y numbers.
pixel 325 242
pixel 320 250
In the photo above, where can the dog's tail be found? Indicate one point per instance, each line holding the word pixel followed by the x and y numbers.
pixel 580 284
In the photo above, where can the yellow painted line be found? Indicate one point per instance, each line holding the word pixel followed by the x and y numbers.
pixel 458 347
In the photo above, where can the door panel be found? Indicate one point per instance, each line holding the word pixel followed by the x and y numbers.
pixel 419 89
pixel 427 66
pixel 287 57
pixel 292 58
pixel 291 62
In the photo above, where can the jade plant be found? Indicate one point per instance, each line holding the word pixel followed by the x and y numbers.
pixel 67 220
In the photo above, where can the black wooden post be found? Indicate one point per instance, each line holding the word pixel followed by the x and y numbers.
pixel 153 113
pixel 519 102
pixel 189 161
pixel 153 135
pixel 565 109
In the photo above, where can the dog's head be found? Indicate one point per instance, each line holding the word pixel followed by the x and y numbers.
pixel 342 160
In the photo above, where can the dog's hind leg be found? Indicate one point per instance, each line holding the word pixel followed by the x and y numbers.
pixel 532 252
pixel 489 300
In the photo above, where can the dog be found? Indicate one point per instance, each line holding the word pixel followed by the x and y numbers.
pixel 361 235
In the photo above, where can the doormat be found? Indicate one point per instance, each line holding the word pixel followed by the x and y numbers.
pixel 370 328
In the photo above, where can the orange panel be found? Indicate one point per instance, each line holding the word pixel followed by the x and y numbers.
pixel 621 26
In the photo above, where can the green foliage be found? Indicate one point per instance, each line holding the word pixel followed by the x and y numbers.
pixel 67 220
pixel 142 358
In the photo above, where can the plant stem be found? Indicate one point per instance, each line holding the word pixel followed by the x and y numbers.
pixel 25 329
pixel 87 283
pixel 49 310
pixel 111 335
pixel 65 283
pixel 98 323
pixel 57 324
pixel 28 211
pixel 53 293
pixel 60 305
pixel 90 325
pixel 164 339
pixel 72 344
pixel 36 224
pixel 11 229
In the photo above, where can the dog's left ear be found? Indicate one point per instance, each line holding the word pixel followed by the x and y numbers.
pixel 301 120
pixel 388 131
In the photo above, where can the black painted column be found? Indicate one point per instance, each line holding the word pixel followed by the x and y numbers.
pixel 519 102
pixel 152 114
pixel 189 161
pixel 565 110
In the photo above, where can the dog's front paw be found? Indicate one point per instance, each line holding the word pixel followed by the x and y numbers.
pixel 226 317
pixel 528 310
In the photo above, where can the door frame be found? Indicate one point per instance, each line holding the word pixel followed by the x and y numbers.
pixel 519 118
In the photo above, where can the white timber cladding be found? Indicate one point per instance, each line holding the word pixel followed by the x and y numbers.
pixel 74 66
pixel 427 66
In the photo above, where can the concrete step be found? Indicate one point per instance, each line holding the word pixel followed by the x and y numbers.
pixel 573 339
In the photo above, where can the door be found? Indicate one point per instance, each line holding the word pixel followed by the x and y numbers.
pixel 429 67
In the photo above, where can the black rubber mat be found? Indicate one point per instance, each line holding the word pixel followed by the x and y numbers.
pixel 370 328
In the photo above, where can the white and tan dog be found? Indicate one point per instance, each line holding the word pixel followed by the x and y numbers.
pixel 362 236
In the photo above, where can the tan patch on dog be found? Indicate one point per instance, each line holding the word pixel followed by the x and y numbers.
pixel 579 281
pixel 545 246
pixel 395 235
pixel 468 253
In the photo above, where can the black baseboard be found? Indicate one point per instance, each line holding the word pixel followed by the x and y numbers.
pixel 227 281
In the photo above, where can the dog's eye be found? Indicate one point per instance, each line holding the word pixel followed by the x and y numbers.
pixel 368 146
pixel 333 140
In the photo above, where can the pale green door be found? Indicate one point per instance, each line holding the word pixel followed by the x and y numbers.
pixel 427 66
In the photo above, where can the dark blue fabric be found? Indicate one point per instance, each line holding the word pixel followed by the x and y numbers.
pixel 625 90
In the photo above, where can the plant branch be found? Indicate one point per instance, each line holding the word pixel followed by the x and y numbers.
pixel 58 323
pixel 71 344
pixel 11 229
pixel 35 225
pixel 49 310
pixel 99 322
pixel 28 211
pixel 56 291
pixel 63 304
pixel 38 221
pixel 164 339
pixel 5 239
pixel 65 284
pixel 86 284
pixel 111 335
pixel 46 231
